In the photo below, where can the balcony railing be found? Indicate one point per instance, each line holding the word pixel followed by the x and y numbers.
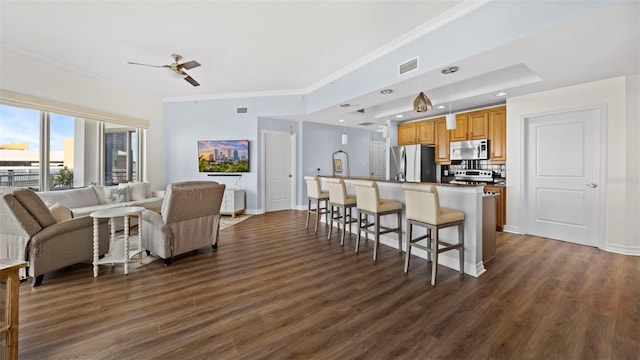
pixel 31 179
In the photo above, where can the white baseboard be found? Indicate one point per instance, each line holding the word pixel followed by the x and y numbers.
pixel 624 250
pixel 448 259
pixel 511 229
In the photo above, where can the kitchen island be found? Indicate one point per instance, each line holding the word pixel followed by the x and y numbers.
pixel 466 198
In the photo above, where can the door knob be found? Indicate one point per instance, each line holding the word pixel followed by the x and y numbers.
pixel 592 185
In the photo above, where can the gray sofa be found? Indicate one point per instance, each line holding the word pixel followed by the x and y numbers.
pixel 29 232
pixel 189 221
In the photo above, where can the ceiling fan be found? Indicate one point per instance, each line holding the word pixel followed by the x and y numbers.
pixel 177 68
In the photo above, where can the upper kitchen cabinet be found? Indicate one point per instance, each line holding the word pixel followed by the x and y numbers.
pixel 417 132
pixel 471 126
pixel 426 133
pixel 460 132
pixel 407 134
pixel 478 125
pixel 442 141
pixel 498 134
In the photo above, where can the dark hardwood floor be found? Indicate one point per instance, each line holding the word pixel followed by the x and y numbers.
pixel 274 290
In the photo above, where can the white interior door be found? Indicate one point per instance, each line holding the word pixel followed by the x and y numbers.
pixel 563 164
pixel 377 151
pixel 278 171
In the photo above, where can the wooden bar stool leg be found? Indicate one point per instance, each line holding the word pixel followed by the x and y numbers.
pixel 308 213
pixel 317 214
pixel 429 241
pixel 400 232
pixel 331 222
pixel 376 235
pixel 408 242
pixel 434 266
pixel 359 231
pixel 344 222
pixel 461 249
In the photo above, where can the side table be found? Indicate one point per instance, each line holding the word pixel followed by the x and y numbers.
pixel 9 291
pixel 114 255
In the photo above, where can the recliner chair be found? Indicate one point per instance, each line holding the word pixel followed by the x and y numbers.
pixel 189 219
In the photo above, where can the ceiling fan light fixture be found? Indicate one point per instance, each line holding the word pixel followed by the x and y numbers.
pixel 177 69
pixel 422 103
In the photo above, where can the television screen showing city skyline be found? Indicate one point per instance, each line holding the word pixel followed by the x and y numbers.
pixel 223 156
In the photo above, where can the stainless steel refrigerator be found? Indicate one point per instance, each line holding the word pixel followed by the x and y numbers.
pixel 412 163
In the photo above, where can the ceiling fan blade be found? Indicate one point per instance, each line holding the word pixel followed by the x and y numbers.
pixel 189 65
pixel 157 66
pixel 191 81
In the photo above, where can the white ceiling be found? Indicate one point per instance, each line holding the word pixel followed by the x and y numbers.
pixel 295 47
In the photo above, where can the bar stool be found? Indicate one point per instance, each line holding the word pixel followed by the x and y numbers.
pixel 370 204
pixel 315 192
pixel 342 201
pixel 423 209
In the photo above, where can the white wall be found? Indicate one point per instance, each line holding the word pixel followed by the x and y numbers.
pixel 29 76
pixel 622 202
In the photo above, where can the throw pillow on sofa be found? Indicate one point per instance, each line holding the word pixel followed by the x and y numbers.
pixel 118 195
pixel 138 190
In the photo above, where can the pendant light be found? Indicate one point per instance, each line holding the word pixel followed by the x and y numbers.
pixel 345 138
pixel 422 103
pixel 450 118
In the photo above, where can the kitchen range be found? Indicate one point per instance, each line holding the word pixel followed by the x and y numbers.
pixel 474 176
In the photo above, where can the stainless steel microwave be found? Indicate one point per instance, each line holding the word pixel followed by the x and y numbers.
pixel 469 150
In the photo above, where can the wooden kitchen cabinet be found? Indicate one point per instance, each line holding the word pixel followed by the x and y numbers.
pixel 478 125
pixel 442 141
pixel 425 130
pixel 501 204
pixel 471 126
pixel 416 132
pixel 498 135
pixel 460 132
pixel 407 134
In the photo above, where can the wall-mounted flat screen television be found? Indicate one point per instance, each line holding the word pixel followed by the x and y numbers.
pixel 223 156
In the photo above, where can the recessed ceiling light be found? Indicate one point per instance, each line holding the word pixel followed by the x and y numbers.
pixel 341 120
pixel 501 93
pixel 381 126
pixel 399 116
pixel 386 91
pixel 441 107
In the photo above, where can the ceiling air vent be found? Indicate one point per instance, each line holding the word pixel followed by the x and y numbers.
pixel 366 123
pixel 408 66
pixel 242 110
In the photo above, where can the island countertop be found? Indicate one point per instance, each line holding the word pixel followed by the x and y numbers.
pixel 464 197
pixel 437 183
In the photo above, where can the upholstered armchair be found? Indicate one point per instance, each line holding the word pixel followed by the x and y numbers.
pixel 189 219
pixel 30 232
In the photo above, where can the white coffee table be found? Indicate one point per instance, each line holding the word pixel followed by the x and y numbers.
pixel 117 254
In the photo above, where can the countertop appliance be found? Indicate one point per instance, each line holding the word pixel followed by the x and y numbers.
pixel 412 163
pixel 469 150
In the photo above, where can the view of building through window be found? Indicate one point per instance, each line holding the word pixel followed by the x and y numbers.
pixel 70 162
pixel 120 156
